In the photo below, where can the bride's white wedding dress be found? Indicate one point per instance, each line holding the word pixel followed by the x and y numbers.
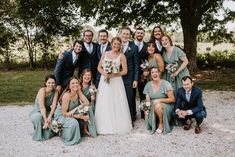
pixel 112 115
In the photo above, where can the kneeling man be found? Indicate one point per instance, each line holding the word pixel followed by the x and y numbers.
pixel 189 105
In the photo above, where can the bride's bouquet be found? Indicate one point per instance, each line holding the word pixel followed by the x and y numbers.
pixel 110 67
pixel 107 68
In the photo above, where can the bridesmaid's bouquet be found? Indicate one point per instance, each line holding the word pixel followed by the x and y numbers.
pixel 93 90
pixel 145 65
pixel 145 106
pixel 172 67
pixel 82 110
pixel 55 126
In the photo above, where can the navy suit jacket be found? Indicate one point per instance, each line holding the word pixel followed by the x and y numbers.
pixel 195 103
pixel 99 55
pixel 87 60
pixel 108 48
pixel 64 69
pixel 142 55
pixel 132 64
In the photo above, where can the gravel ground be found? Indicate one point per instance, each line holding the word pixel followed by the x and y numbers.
pixel 216 140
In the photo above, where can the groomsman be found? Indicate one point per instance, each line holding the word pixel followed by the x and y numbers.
pixel 104 45
pixel 65 65
pixel 142 55
pixel 156 36
pixel 131 79
pixel 189 105
pixel 89 59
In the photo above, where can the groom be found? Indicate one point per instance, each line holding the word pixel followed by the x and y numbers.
pixel 131 79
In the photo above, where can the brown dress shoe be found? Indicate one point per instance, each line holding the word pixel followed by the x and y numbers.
pixel 188 124
pixel 198 130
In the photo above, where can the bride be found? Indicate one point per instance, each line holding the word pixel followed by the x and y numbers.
pixel 112 115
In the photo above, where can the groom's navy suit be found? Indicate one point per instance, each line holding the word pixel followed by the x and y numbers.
pixel 194 104
pixel 131 54
pixel 99 55
pixel 89 60
pixel 64 69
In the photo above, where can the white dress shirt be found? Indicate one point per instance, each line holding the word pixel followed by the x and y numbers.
pixel 140 44
pixel 75 57
pixel 89 47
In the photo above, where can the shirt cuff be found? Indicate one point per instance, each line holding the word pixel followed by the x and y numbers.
pixel 189 112
pixel 177 110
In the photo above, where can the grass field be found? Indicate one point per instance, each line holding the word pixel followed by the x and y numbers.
pixel 20 87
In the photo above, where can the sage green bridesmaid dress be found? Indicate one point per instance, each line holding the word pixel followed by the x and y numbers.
pixel 35 116
pixel 153 63
pixel 91 124
pixel 70 134
pixel 152 121
pixel 174 58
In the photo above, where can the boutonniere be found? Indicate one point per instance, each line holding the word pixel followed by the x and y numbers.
pixel 128 48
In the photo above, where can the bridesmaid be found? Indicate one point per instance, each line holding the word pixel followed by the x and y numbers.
pixel 44 108
pixel 174 55
pixel 154 58
pixel 159 94
pixel 64 114
pixel 86 84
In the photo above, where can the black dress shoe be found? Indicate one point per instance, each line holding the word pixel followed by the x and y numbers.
pixel 142 114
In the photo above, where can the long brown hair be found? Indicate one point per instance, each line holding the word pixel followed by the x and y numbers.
pixel 152 38
pixel 67 89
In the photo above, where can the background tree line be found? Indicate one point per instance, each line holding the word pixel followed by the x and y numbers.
pixel 34 25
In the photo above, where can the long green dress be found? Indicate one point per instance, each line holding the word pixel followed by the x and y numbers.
pixel 86 92
pixel 35 116
pixel 153 63
pixel 91 125
pixel 152 121
pixel 176 54
pixel 70 133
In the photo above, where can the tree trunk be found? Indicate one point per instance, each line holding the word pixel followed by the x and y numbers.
pixel 190 46
pixel 189 22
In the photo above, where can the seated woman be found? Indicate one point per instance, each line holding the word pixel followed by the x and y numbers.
pixel 88 89
pixel 159 94
pixel 44 108
pixel 71 98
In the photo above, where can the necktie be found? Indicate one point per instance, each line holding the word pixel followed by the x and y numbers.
pixel 75 60
pixel 139 46
pixel 159 47
pixel 89 48
pixel 188 96
pixel 102 49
